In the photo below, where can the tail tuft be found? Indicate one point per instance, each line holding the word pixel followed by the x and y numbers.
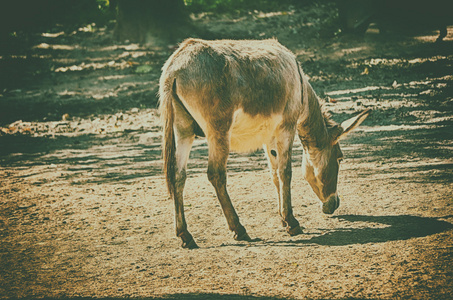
pixel 168 142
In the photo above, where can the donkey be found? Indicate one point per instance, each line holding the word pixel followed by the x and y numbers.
pixel 242 95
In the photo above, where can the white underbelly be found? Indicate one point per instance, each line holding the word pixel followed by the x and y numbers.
pixel 249 133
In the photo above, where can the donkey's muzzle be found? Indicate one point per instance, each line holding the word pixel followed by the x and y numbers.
pixel 331 204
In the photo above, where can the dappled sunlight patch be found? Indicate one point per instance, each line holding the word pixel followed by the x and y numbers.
pixel 395 127
pixel 355 49
pixel 112 77
pixel 135 54
pixel 133 120
pixel 305 53
pixel 412 170
pixel 435 83
pixel 67 93
pixel 94 150
pixel 52 35
pixel 358 90
pixel 105 162
pixel 17 128
pixel 273 14
pixel 95 66
pixel 55 47
pixel 87 28
pixel 103 95
pixel 402 61
pixel 431 38
pixel 130 47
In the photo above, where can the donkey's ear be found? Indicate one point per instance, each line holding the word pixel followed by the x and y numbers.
pixel 352 123
pixel 335 133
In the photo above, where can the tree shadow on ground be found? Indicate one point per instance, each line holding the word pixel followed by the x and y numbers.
pixel 413 153
pixel 203 296
pixel 111 158
pixel 122 156
pixel 397 228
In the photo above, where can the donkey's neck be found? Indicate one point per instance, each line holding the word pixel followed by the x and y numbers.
pixel 311 126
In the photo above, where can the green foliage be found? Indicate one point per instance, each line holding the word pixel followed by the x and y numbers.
pixel 144 69
pixel 242 5
pixel 103 5
pixel 21 15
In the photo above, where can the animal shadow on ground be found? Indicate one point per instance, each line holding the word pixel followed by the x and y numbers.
pixel 396 228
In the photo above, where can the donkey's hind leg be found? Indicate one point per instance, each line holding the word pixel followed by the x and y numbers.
pixel 183 146
pixel 218 155
pixel 184 137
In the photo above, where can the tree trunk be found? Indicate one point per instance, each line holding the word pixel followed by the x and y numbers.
pixel 151 21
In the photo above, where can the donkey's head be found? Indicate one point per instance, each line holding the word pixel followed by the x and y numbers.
pixel 321 161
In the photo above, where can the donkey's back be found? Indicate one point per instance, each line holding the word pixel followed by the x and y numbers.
pixel 250 85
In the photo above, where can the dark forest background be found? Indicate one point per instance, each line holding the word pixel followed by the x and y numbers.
pixel 136 20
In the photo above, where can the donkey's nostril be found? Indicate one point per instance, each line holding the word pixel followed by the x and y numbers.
pixel 331 205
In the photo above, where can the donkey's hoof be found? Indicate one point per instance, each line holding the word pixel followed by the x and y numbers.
pixel 294 230
pixel 189 245
pixel 242 237
pixel 187 240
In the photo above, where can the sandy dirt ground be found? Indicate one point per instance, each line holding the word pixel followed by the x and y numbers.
pixel 84 210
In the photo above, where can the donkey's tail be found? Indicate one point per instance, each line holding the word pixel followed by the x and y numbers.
pixel 166 97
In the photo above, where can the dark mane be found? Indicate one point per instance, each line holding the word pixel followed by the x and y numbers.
pixel 326 114
pixel 315 128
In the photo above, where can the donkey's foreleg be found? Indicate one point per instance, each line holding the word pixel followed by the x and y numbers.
pixel 218 155
pixel 284 146
pixel 183 146
pixel 273 167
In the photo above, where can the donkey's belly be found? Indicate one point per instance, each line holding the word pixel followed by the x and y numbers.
pixel 249 133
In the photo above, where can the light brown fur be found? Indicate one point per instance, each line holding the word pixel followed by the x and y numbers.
pixel 243 95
